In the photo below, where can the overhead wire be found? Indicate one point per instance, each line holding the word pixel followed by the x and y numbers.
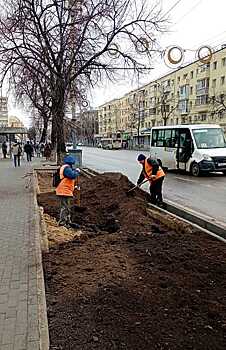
pixel 171 8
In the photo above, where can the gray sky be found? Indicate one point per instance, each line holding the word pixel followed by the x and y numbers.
pixel 193 23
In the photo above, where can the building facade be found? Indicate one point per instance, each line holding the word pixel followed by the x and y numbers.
pixel 3 111
pixel 195 93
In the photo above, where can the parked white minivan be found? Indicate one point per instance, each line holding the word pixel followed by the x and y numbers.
pixel 195 148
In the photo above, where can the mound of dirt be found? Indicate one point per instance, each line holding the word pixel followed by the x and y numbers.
pixel 135 284
pixel 107 205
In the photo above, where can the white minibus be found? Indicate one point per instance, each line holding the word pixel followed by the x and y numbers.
pixel 195 148
pixel 109 143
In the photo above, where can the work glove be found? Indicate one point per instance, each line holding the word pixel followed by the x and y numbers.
pixel 78 170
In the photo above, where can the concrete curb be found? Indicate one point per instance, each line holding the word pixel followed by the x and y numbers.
pixel 177 223
pixel 197 218
pixel 42 309
pixel 44 235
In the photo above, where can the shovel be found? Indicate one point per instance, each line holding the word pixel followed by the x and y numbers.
pixel 137 186
pixel 77 201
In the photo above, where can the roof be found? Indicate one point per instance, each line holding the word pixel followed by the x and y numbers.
pixel 192 126
pixel 7 130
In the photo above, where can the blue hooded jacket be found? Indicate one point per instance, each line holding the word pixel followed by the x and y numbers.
pixel 69 172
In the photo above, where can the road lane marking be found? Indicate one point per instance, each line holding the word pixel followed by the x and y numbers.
pixel 195 182
pixel 183 179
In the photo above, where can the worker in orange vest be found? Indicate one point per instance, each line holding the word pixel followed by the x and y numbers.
pixel 152 171
pixel 65 191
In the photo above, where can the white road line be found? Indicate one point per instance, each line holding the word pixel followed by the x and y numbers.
pixel 183 179
pixel 195 182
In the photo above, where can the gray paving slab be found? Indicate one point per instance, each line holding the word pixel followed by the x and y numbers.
pixel 18 265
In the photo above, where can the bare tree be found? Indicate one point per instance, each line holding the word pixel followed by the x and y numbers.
pixel 136 112
pixel 74 39
pixel 32 91
pixel 218 104
pixel 166 105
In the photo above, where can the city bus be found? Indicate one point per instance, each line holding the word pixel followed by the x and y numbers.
pixel 109 143
pixel 194 148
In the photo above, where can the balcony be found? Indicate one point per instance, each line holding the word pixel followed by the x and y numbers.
pixel 167 88
pixel 202 91
pixel 152 111
pixel 184 92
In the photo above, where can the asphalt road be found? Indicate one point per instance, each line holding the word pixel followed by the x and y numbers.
pixel 206 194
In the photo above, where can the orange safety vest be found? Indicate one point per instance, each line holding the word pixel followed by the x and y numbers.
pixel 148 171
pixel 66 186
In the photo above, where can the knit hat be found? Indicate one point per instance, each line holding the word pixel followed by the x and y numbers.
pixel 141 157
pixel 69 160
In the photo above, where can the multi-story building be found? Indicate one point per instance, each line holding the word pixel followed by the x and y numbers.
pixel 83 127
pixel 3 111
pixel 195 93
pixel 15 122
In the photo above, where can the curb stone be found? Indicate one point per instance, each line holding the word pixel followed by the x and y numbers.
pixel 171 221
pixel 44 235
pixel 42 309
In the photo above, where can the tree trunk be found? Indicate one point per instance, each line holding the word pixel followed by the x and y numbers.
pixel 44 130
pixel 57 136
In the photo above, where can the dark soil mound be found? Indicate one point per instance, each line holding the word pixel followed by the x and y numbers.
pixel 107 205
pixel 146 292
pixel 135 284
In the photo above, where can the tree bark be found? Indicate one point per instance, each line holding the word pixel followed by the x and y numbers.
pixel 44 131
pixel 58 112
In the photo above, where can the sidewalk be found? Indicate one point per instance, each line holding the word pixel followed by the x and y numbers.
pixel 19 327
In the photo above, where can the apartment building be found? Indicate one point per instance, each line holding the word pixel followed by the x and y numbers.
pixel 195 93
pixel 3 111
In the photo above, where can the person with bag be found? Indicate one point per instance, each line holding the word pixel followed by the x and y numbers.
pixel 152 171
pixel 64 180
pixel 4 149
pixel 28 149
pixel 16 151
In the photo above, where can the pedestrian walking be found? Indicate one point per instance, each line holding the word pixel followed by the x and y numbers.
pixel 38 151
pixel 47 151
pixel 28 149
pixel 4 149
pixel 152 171
pixel 16 152
pixel 42 147
pixel 65 190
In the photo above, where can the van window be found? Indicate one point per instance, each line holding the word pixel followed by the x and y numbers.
pixel 164 138
pixel 160 139
pixel 209 138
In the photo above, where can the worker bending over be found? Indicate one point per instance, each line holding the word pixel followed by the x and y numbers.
pixel 154 173
pixel 65 191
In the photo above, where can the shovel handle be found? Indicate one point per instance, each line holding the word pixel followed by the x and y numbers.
pixel 138 186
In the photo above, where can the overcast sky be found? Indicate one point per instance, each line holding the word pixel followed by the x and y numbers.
pixel 193 23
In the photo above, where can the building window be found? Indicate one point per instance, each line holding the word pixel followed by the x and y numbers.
pixel 201 100
pixel 215 65
pixel 222 80
pixel 191 90
pixel 178 80
pixel 214 83
pixel 185 76
pixel 224 61
pixel 202 84
pixel 191 74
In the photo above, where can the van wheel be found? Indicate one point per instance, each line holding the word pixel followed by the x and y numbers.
pixel 224 172
pixel 195 170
